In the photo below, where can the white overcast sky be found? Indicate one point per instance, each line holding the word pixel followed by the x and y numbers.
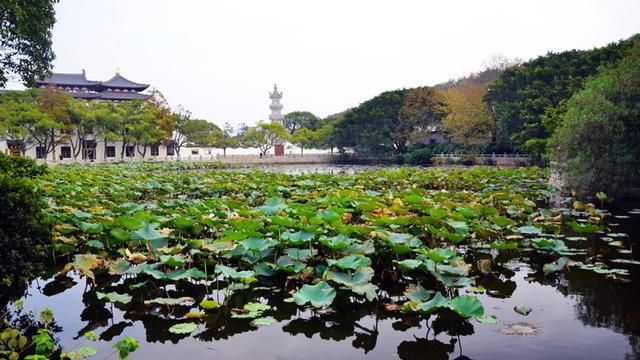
pixel 220 59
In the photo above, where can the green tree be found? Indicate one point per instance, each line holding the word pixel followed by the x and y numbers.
pixel 265 135
pixel 83 120
pixel 296 120
pixel 227 139
pixel 303 137
pixel 25 39
pixel 522 95
pixel 598 140
pixel 201 133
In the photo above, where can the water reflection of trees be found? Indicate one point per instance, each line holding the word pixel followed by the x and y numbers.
pixel 349 319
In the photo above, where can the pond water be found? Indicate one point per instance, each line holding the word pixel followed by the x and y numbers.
pixel 574 315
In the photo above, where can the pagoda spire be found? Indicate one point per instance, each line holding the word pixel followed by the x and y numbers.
pixel 276 106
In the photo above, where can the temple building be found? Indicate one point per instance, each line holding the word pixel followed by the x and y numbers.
pixel 116 89
pixel 93 148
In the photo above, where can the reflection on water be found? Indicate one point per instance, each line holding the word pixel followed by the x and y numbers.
pixel 579 314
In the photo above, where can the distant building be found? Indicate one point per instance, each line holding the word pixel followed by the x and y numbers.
pixel 116 89
pixel 276 106
pixel 276 115
pixel 94 148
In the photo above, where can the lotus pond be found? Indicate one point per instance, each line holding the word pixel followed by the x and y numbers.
pixel 408 263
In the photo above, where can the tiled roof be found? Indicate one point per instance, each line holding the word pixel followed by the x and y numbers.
pixel 79 80
pixel 120 82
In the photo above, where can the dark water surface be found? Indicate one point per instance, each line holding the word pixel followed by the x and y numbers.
pixel 578 314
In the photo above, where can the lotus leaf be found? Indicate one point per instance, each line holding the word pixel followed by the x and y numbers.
pixel 184 328
pixel 319 295
pixel 467 306
pixel 264 321
pixel 350 262
pixel 359 277
pixel 114 297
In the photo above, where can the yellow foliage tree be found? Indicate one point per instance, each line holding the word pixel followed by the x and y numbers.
pixel 468 122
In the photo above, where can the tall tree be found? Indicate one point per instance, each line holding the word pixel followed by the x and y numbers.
pixel 598 140
pixel 522 95
pixel 25 39
pixel 82 117
pixel 468 122
pixel 227 139
pixel 266 135
pixel 54 127
pixel 300 119
pixel 303 137
pixel 180 119
pixel 201 133
pixel 422 111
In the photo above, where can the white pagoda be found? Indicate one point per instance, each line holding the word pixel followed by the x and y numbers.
pixel 276 106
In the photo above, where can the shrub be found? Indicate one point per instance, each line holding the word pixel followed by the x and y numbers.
pixel 25 232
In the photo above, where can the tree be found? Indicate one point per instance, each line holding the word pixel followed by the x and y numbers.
pixel 296 120
pixel 226 139
pixel 180 118
pixel 367 128
pixel 468 122
pixel 82 117
pixel 265 135
pixel 201 133
pixel 303 137
pixel 390 121
pixel 598 140
pixel 520 97
pixel 54 127
pixel 325 136
pixel 15 108
pixel 423 109
pixel 25 39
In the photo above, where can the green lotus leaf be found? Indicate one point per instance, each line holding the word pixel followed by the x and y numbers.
pixel 369 291
pixel 170 301
pixel 209 304
pixel 130 223
pixel 184 328
pixel 298 237
pixel 91 228
pixel 410 264
pixel 272 206
pixel 339 242
pixel 529 230
pixel 290 265
pixel 264 321
pixel 95 244
pixel 502 221
pixel 467 306
pixel 258 244
pixel 114 297
pixel 581 228
pixel 79 353
pixel 466 212
pixel 438 213
pixel 81 215
pixel 436 302
pixel 120 235
pixel 504 245
pixel 149 234
pixel 172 260
pixel 350 262
pixel 460 227
pixel 233 273
pixel 488 319
pixel 300 254
pixel 555 266
pixel 417 293
pixel 359 277
pixel 319 295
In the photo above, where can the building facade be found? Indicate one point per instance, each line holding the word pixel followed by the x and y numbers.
pixel 93 148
